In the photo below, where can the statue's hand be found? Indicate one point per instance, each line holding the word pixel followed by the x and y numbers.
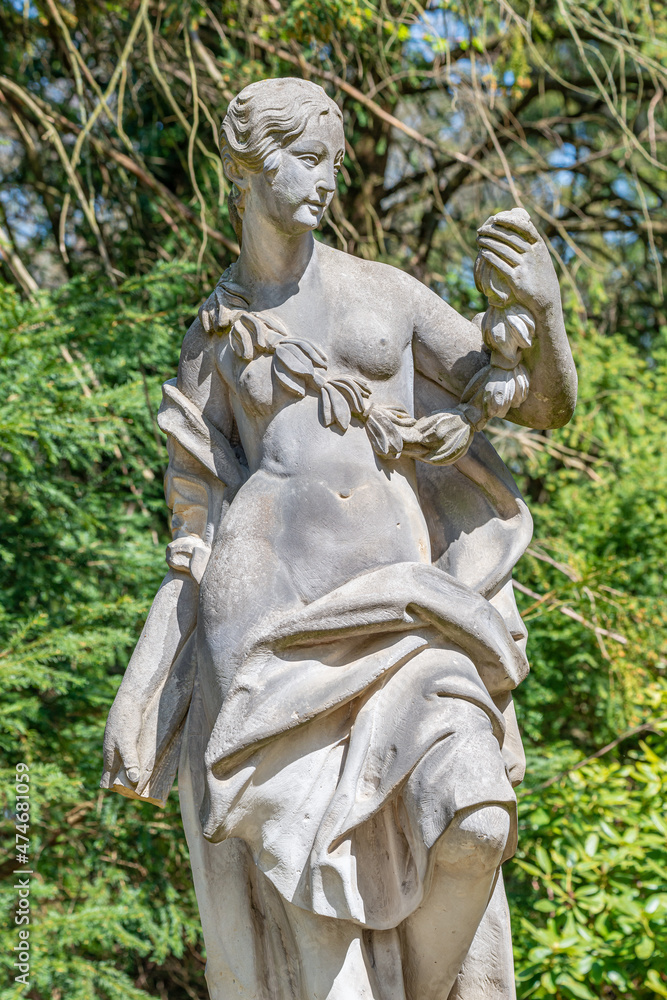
pixel 121 736
pixel 217 314
pixel 188 554
pixel 209 313
pixel 511 244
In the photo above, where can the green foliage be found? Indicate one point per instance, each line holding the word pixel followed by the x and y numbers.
pixel 599 488
pixel 82 508
pixel 593 851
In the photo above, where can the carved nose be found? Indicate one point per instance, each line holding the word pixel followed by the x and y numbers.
pixel 326 184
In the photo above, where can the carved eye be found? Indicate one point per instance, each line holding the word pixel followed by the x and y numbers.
pixel 310 158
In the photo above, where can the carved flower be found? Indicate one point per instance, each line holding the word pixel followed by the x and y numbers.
pixel 504 389
pixel 491 283
pixel 508 330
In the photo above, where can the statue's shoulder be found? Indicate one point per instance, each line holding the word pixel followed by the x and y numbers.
pixel 196 341
pixel 373 278
pixel 197 364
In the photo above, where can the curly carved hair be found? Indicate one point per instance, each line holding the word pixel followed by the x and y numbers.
pixel 265 117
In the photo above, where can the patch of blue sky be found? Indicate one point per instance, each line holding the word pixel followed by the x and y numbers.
pixel 620 238
pixel 566 252
pixel 59 91
pixel 26 8
pixel 624 188
pixel 433 32
pixel 564 178
pixel 456 123
pixel 26 217
pixel 563 156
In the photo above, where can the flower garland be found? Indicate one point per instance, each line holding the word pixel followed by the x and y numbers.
pixel 439 438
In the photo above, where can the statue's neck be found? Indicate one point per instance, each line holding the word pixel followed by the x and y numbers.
pixel 272 264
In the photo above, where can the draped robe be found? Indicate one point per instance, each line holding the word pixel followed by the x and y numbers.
pixel 341 754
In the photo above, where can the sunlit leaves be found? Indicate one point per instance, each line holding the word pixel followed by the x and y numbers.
pixel 590 885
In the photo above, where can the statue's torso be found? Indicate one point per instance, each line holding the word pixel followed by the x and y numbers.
pixel 320 506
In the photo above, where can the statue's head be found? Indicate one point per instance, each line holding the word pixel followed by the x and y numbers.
pixel 282 144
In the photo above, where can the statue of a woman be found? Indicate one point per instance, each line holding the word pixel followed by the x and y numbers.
pixel 332 653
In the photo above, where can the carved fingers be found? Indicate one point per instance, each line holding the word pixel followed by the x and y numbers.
pixel 188 554
pixel 511 246
pixel 123 726
pixel 128 753
pixel 213 313
pixel 216 314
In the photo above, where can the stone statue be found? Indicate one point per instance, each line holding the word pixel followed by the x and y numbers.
pixel 330 659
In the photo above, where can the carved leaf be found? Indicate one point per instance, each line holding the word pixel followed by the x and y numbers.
pixel 452 433
pixel 294 358
pixel 355 391
pixel 288 378
pixel 253 325
pixel 214 315
pixel 508 330
pixel 327 409
pixel 226 314
pixel 493 327
pixel 498 392
pixel 385 436
pixel 235 294
pixel 268 337
pixel 522 385
pixel 269 333
pixel 318 358
pixel 335 407
pixel 240 337
pixel 275 324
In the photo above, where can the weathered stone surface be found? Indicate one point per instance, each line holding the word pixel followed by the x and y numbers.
pixel 333 650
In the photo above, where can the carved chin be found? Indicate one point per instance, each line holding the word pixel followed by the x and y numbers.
pixel 309 216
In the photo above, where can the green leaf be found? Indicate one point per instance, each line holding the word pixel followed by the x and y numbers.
pixel 543 859
pixel 656 983
pixel 574 987
pixel 591 845
pixel 645 948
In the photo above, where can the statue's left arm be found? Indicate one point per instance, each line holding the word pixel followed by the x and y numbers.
pixel 520 342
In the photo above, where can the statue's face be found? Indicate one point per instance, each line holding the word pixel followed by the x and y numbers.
pixel 295 194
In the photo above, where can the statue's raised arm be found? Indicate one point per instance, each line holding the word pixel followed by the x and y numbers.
pixel 331 658
pixel 515 361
